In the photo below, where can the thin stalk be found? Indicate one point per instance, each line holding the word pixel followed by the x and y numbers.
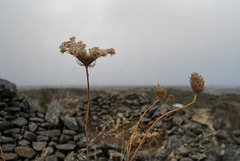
pixel 163 107
pixel 86 124
pixel 2 153
pixel 195 96
pixel 135 129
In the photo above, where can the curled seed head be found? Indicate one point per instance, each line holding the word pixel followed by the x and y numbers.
pixel 197 83
pixel 160 92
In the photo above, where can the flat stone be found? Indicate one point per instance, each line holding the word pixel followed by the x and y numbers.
pixel 60 155
pixel 66 147
pixel 36 119
pixel 25 151
pixel 69 132
pixel 50 133
pixel 177 120
pixel 52 157
pixel 70 122
pixel 8 147
pixel 24 142
pixel 41 115
pixel 2 105
pixel 38 146
pixel 29 135
pixel 5 125
pixel 14 130
pixel 13 109
pixel 42 138
pixel 10 156
pixel 6 139
pixel 20 121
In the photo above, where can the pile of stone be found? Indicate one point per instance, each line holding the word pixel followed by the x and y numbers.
pixel 27 134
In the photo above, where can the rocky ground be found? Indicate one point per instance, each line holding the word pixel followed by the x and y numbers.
pixel 28 133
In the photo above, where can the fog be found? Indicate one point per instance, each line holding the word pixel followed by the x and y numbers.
pixel 155 41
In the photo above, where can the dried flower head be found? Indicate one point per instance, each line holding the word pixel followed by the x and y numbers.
pixel 172 97
pixel 197 83
pixel 77 49
pixel 160 92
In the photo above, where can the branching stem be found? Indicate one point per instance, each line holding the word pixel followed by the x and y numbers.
pixel 195 96
pixel 135 129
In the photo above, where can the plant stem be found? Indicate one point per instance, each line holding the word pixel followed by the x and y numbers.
pixel 86 124
pixel 135 129
pixel 195 96
pixel 2 153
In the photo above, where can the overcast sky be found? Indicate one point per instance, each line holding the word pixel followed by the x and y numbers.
pixel 155 41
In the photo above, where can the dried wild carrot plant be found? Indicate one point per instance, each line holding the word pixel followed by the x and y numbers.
pixel 77 49
pixel 197 85
pixel 160 94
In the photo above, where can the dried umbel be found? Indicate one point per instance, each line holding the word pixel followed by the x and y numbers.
pixel 78 50
pixel 160 92
pixel 197 83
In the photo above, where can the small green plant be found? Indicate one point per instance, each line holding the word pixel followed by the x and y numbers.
pixel 77 49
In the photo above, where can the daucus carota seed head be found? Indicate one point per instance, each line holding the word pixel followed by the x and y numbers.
pixel 77 49
pixel 197 83
pixel 160 92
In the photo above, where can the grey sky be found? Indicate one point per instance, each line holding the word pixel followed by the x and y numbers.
pixel 155 41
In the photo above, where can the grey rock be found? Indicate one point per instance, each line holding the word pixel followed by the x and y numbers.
pixel 236 136
pixel 50 133
pixel 20 121
pixel 32 105
pixel 32 126
pixel 53 113
pixel 69 122
pixel 30 136
pixel 36 119
pixel 2 105
pixel 8 147
pixel 42 138
pixel 10 131
pixel 52 157
pixel 177 120
pixel 7 89
pixel 38 146
pixel 174 142
pixel 13 109
pixel 66 147
pixel 70 157
pixel 6 139
pixel 198 156
pixel 69 132
pixel 25 151
pixel 5 125
pixel 159 154
pixel 60 155
pixel 10 156
pixel 24 142
pixel 82 143
pixel 186 159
